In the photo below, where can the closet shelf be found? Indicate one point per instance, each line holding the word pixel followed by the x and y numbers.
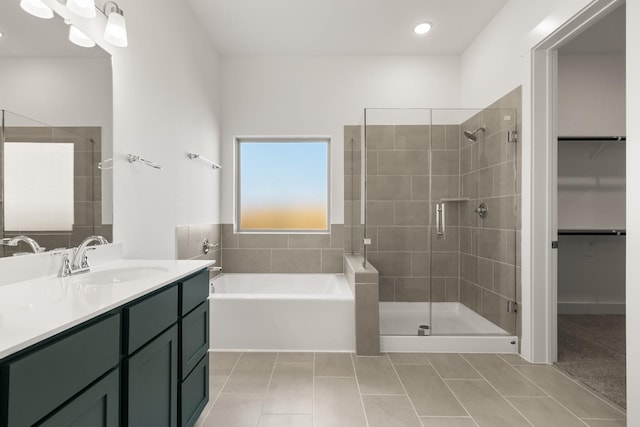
pixel 593 232
pixel 592 138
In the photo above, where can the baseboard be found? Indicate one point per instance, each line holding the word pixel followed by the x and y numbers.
pixel 591 308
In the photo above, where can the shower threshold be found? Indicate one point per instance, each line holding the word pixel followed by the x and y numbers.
pixel 454 328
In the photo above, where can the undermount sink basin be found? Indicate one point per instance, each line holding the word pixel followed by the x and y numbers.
pixel 118 275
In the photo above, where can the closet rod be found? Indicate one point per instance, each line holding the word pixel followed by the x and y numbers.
pixel 592 138
pixel 592 232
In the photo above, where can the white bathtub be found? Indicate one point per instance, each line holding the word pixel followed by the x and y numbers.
pixel 282 312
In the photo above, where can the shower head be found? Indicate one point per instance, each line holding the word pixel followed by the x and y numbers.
pixel 473 136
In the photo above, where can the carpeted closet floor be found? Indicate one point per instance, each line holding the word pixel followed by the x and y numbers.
pixel 591 348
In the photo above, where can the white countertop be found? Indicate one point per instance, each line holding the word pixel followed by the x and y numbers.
pixel 36 309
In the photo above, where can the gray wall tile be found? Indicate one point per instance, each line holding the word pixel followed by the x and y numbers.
pixel 445 163
pixel 411 213
pixel 262 241
pixel 403 162
pixel 332 260
pixel 308 241
pixel 367 320
pixel 412 137
pixel 246 260
pixel 296 260
pixel 380 137
pixel 445 264
pixel 412 289
pixel 388 188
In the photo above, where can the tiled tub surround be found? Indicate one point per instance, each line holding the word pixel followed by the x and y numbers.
pixel 490 247
pixel 397 389
pixel 87 182
pixel 285 312
pixel 282 253
pixel 364 285
pixel 189 241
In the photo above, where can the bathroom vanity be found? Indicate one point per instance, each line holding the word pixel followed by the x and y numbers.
pixel 124 345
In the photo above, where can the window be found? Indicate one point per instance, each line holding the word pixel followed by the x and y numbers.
pixel 282 184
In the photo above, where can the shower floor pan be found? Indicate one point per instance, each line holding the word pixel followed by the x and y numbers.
pixel 454 328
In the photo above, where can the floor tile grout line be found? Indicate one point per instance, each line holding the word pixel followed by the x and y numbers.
pixel 313 386
pixel 221 388
pixel 498 391
pixel 548 395
pixel 355 373
pixel 230 373
pixel 264 402
pixel 454 395
pixel 403 387
pixel 556 400
pixel 584 387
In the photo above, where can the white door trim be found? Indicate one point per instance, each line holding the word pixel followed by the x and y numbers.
pixel 543 289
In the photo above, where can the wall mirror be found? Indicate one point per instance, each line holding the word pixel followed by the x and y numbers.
pixel 55 136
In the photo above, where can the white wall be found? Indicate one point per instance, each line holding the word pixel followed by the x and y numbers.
pixel 166 104
pixel 591 95
pixel 319 96
pixel 633 212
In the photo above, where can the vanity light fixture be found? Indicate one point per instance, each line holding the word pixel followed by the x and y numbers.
pixel 79 38
pixel 37 8
pixel 84 8
pixel 116 31
pixel 422 28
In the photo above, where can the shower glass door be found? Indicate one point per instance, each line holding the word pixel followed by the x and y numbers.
pixel 474 199
pixel 398 215
pixel 439 207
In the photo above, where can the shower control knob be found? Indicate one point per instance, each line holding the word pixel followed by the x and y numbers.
pixel 482 210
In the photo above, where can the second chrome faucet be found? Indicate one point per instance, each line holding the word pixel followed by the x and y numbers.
pixel 79 263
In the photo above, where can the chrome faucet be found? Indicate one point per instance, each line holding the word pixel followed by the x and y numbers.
pixel 35 247
pixel 79 262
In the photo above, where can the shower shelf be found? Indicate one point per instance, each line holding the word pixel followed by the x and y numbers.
pixel 454 199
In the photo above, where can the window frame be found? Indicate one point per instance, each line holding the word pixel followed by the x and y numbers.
pixel 238 140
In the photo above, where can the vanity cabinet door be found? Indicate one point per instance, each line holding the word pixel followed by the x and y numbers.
pixel 194 393
pixel 194 330
pixel 98 406
pixel 151 380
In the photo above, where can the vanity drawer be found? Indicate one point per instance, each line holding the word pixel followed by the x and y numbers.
pixel 147 318
pixel 194 290
pixel 42 380
pixel 195 338
pixel 194 393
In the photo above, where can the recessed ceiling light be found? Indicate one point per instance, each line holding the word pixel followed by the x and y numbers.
pixel 422 28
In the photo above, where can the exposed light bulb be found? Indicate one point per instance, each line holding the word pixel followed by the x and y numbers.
pixel 422 28
pixel 116 30
pixel 79 38
pixel 84 8
pixel 37 8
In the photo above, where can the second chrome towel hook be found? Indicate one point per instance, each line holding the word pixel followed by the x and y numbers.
pixel 133 158
pixel 198 156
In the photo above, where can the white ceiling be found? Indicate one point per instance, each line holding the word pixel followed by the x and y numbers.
pixel 27 36
pixel 606 36
pixel 342 27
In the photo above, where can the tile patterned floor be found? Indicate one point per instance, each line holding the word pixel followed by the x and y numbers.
pixel 397 390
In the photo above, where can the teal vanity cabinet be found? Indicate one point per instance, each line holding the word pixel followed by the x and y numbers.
pixel 55 384
pixel 194 347
pixel 142 364
pixel 150 380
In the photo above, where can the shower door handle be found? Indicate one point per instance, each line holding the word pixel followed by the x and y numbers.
pixel 440 221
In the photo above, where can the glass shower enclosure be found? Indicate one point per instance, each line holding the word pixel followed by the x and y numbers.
pixel 431 203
